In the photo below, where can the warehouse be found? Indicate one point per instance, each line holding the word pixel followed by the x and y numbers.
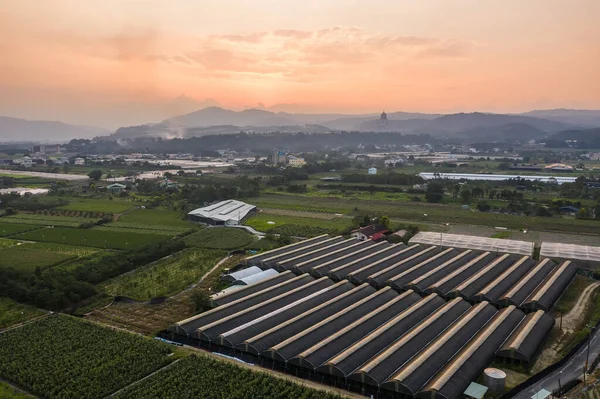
pixel 224 213
pixel 526 341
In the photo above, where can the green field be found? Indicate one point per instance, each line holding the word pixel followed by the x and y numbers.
pixel 29 256
pixel 111 227
pixel 165 277
pixel 202 377
pixel 12 313
pixel 99 205
pixel 63 357
pixel 154 217
pixel 261 221
pixel 92 237
pixel 415 211
pixel 46 220
pixel 9 229
pixel 8 392
pixel 220 238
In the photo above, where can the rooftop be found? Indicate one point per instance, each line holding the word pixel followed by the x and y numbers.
pixel 224 210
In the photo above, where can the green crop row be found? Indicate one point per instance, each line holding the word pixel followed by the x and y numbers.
pixel 63 357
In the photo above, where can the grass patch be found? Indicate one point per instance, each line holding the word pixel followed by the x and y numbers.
pixel 502 234
pixel 261 221
pixel 28 256
pixel 47 220
pixel 571 295
pixel 165 277
pixel 93 237
pixel 8 392
pixel 220 238
pixel 149 320
pixel 98 205
pixel 301 231
pixel 154 217
pixel 9 229
pixel 12 313
pixel 122 229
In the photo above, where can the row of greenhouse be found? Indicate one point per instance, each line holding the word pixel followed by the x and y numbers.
pixel 399 342
pixel 500 278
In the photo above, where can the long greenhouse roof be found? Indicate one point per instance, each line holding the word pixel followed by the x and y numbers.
pixel 474 242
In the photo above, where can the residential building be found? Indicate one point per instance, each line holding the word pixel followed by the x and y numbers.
pixel 79 161
pixel 116 187
pixel 372 171
pixel 279 157
pixel 375 232
pixel 296 162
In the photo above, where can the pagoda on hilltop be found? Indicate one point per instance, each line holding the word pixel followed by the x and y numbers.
pixel 383 121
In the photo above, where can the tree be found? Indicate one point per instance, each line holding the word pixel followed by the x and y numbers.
pixel 10 211
pixel 435 192
pixel 583 213
pixel 466 195
pixel 385 221
pixel 478 192
pixel 95 175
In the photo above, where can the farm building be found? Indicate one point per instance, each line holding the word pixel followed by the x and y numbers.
pixel 474 242
pixel 386 319
pixel 224 213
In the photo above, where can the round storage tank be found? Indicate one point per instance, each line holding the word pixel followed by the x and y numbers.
pixel 495 379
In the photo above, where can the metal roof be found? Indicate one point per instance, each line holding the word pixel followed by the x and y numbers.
pixel 256 277
pixel 224 211
pixel 475 390
pixel 240 274
pixel 474 242
pixel 579 253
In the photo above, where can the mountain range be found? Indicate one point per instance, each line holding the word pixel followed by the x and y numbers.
pixel 215 120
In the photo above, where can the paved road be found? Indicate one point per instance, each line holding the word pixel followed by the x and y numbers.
pixel 572 370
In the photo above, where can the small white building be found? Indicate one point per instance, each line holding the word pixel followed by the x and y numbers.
pixel 79 161
pixel 25 161
pixel 372 171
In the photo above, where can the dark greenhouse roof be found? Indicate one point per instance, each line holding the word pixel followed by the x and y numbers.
pixel 526 341
pixel 551 288
pixel 505 281
pixel 352 247
pixel 324 266
pixel 517 294
pixel 470 362
pixel 474 283
pixel 298 343
pixel 290 262
pixel 414 375
pixel 324 350
pixel 360 275
pixel 381 367
pixel 361 351
pixel 342 269
pixel 257 259
pixel 448 282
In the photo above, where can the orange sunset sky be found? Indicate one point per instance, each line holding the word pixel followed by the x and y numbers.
pixel 115 62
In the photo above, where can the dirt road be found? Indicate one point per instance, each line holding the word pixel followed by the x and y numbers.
pixel 569 321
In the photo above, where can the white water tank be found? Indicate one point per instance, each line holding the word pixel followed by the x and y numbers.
pixel 495 379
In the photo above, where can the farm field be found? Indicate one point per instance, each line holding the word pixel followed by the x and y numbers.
pixel 140 230
pixel 9 229
pixel 165 277
pixel 98 205
pixel 299 225
pixel 220 238
pixel 154 217
pixel 148 320
pixel 12 313
pixel 27 257
pixel 415 211
pixel 92 237
pixel 60 356
pixel 8 392
pixel 203 377
pixel 47 220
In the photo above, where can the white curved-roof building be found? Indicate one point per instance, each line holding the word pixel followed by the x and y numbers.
pixel 224 213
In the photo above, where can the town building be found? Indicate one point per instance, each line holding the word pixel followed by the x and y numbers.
pixel 375 232
pixel 279 157
pixel 79 161
pixel 296 162
pixel 116 187
pixel 372 171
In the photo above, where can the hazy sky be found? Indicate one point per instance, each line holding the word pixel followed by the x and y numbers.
pixel 113 62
